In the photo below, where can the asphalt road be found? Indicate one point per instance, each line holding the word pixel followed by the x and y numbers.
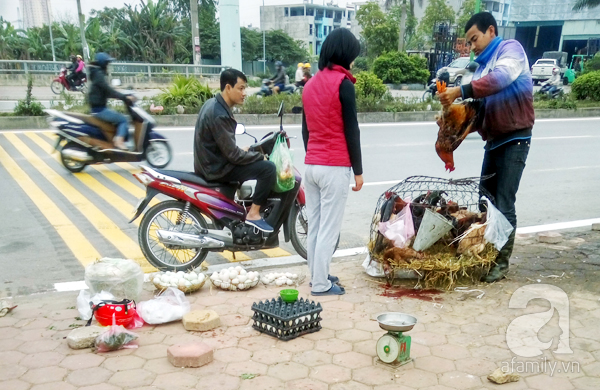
pixel 560 184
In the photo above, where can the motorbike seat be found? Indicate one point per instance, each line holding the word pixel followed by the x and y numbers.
pixel 227 189
pixel 108 129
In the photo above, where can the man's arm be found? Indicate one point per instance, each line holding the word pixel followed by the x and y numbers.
pixel 304 132
pixel 224 135
pixel 507 69
pixel 112 93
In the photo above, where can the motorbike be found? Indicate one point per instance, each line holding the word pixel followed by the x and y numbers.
pixel 203 217
pixel 431 91
pixel 84 139
pixel 60 83
pixel 555 94
pixel 266 89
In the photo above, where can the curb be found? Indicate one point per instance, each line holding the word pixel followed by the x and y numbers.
pixel 39 123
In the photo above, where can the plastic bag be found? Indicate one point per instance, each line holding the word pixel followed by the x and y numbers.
pixel 375 269
pixel 401 229
pixel 122 278
pixel 498 228
pixel 170 305
pixel 84 299
pixel 282 157
pixel 116 337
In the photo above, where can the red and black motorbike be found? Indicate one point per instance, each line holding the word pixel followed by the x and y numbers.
pixel 61 83
pixel 209 217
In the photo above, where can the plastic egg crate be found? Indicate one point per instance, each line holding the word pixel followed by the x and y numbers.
pixel 234 279
pixel 282 279
pixel 187 282
pixel 286 321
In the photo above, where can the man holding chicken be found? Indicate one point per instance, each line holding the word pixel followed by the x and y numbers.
pixel 504 82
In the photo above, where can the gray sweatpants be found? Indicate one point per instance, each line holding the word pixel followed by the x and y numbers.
pixel 326 193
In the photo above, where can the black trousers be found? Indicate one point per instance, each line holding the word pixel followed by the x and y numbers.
pixel 263 172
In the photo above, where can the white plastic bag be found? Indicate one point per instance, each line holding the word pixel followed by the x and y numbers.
pixel 498 228
pixel 375 269
pixel 170 305
pixel 121 277
pixel 401 230
pixel 83 302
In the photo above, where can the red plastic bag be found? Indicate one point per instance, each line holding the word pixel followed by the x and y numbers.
pixel 116 337
pixel 401 229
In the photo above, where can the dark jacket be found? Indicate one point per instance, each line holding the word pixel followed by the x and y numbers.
pixel 100 90
pixel 215 151
pixel 279 77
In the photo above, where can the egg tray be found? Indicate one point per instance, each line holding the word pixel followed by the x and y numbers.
pixel 286 321
pixel 186 290
pixel 233 287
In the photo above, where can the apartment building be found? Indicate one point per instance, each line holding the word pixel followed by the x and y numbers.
pixel 35 13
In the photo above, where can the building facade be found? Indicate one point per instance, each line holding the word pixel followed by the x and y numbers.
pixel 35 13
pixel 307 22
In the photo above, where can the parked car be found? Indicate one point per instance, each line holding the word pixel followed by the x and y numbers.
pixel 456 69
pixel 542 69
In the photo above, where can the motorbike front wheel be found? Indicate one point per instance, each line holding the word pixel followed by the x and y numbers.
pixel 158 154
pixel 57 87
pixel 72 165
pixel 298 226
pixel 169 216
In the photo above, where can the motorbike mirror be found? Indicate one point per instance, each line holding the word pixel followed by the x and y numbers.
pixel 240 129
pixel 472 67
pixel 115 82
pixel 280 111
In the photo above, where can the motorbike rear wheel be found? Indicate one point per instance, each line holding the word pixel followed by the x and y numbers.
pixel 72 165
pixel 298 227
pixel 167 215
pixel 57 87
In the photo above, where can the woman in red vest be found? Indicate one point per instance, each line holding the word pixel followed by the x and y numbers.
pixel 332 142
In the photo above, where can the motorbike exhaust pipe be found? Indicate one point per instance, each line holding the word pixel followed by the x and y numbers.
pixel 167 237
pixel 77 155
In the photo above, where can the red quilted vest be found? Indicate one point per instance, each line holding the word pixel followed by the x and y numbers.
pixel 323 111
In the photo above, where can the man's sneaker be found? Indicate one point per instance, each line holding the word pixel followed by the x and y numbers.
pixel 261 225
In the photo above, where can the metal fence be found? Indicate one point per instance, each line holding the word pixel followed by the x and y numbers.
pixel 117 68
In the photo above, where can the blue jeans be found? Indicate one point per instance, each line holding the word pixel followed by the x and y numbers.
pixel 111 116
pixel 506 163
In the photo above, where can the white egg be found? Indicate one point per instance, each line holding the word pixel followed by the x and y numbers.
pixel 180 273
pixel 233 275
pixel 290 282
pixel 242 278
pixel 214 276
pixel 294 276
pixel 201 277
pixel 187 283
pixel 239 268
pixel 288 274
pixel 196 282
pixel 243 272
pixel 169 273
pixel 217 282
pixel 181 282
pixel 156 280
pixel 225 284
pixel 235 281
pixel 279 282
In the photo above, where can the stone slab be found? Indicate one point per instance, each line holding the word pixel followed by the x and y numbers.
pixel 201 320
pixel 190 355
pixel 84 337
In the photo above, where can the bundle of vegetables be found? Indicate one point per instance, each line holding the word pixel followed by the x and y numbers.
pixel 187 282
pixel 234 278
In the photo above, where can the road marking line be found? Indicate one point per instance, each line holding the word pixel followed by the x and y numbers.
pixel 566 169
pixel 557 226
pixel 103 224
pixel 239 256
pixel 275 252
pixel 82 249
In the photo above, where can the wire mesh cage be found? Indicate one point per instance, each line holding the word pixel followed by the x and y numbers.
pixel 455 202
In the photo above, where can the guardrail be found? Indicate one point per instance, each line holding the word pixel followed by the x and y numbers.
pixel 117 68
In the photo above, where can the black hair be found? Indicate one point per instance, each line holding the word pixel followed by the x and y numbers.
pixel 483 20
pixel 340 48
pixel 230 76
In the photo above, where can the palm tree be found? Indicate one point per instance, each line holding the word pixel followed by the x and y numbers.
pixel 388 4
pixel 581 4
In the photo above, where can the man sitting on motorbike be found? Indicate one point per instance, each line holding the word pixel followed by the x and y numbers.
pixel 551 85
pixel 79 72
pixel 279 78
pixel 100 92
pixel 72 69
pixel 217 158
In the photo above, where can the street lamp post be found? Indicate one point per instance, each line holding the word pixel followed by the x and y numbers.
pixel 50 29
pixel 264 47
pixel 84 46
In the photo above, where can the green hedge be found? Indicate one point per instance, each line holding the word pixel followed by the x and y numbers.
pixel 368 84
pixel 587 86
pixel 398 68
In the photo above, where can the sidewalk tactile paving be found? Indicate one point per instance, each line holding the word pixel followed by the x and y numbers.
pixel 122 363
pixel 263 383
pixel 14 384
pixel 305 384
pixel 89 376
pixel 11 371
pixel 460 380
pixel 168 381
pixel 233 354
pixel 44 375
pixel 333 346
pixel 218 381
pixel 132 378
pixel 352 360
pixel 248 367
pixel 312 358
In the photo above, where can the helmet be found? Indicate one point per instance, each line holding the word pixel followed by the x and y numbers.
pixel 300 64
pixel 103 59
pixel 279 64
pixel 73 58
pixel 79 57
pixel 554 71
pixel 307 65
pixel 122 312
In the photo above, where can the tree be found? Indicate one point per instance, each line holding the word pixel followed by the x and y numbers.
pixel 581 4
pixel 437 11
pixel 251 44
pixel 467 9
pixel 380 32
pixel 10 41
pixel 210 34
pixel 282 47
pixel 403 16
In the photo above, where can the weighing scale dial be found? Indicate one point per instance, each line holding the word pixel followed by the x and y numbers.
pixel 388 348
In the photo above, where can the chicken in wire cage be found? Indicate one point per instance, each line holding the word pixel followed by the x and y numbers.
pixel 438 227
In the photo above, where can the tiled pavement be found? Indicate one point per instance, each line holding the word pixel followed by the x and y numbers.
pixel 456 343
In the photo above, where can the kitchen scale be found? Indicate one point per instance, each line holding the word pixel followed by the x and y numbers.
pixel 393 348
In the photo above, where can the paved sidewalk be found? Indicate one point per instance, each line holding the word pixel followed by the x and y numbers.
pixel 456 343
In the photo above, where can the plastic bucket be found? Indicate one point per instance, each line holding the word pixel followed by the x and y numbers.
pixel 433 227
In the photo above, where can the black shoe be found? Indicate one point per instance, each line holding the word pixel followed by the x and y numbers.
pixel 496 274
pixel 261 225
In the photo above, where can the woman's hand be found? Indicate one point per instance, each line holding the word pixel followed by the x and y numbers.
pixel 358 179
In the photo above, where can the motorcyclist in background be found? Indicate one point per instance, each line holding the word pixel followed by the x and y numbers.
pixel 100 92
pixel 551 85
pixel 80 71
pixel 72 69
pixel 279 78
